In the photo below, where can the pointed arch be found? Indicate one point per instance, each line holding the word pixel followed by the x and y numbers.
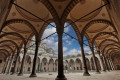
pixel 44 27
pixel 8 47
pixel 4 50
pixel 108 46
pixel 89 40
pixel 112 49
pixel 51 60
pixel 114 52
pixel 4 54
pixel 14 34
pixel 72 64
pixel 70 6
pixel 51 9
pixel 10 42
pixel 99 46
pixel 88 63
pixel 51 65
pixel 104 33
pixel 19 21
pixel 45 60
pixel 111 53
pixel 78 64
pixel 97 21
pixel 74 26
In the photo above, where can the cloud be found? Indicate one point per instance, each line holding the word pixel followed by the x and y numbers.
pixel 87 49
pixel 73 52
pixel 68 42
pixel 51 43
pixel 65 49
pixel 65 37
pixel 49 31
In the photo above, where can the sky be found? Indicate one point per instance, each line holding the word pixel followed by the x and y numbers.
pixel 70 46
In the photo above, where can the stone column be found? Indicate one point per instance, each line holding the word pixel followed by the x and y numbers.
pixel 95 63
pixel 103 68
pixel 109 64
pixel 86 73
pixel 11 60
pixel 15 64
pixel 33 74
pixel 105 62
pixel 23 61
pixel 60 75
pixel 112 63
pixel 6 65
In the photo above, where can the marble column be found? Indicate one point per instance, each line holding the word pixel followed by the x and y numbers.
pixel 112 63
pixel 11 60
pixel 15 64
pixel 103 68
pixel 95 63
pixel 4 65
pixel 105 62
pixel 86 73
pixel 60 75
pixel 23 62
pixel 33 74
pixel 109 64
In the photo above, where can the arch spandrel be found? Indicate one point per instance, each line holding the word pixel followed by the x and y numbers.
pixel 38 9
pixel 19 25
pixel 99 23
pixel 60 6
pixel 16 35
pixel 102 14
pixel 14 43
pixel 109 41
pixel 112 47
pixel 10 42
pixel 110 50
pixel 6 51
pixel 110 34
pixel 7 47
pixel 3 55
pixel 109 46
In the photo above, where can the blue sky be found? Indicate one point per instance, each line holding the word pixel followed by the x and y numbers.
pixel 70 46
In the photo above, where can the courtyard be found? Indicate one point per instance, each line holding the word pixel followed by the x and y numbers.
pixel 112 75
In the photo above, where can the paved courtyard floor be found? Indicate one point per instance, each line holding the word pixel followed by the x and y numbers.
pixel 112 75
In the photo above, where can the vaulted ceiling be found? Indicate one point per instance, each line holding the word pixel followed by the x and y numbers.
pixel 26 17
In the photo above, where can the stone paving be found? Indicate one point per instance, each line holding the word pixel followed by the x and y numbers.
pixel 112 75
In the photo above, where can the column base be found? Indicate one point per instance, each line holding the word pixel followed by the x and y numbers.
pixel 20 74
pixel 104 70
pixel 109 70
pixel 12 73
pixel 97 72
pixel 61 79
pixel 7 73
pixel 86 74
pixel 33 75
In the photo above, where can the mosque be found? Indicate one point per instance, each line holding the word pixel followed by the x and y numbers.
pixel 21 20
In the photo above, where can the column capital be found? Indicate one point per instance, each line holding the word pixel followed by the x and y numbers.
pixel 59 28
